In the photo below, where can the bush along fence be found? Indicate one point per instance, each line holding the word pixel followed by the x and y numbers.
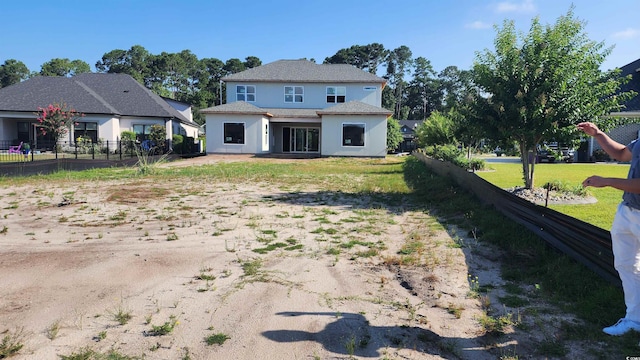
pixel 87 149
pixel 588 244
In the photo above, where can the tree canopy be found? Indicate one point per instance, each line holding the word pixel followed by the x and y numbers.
pixel 536 87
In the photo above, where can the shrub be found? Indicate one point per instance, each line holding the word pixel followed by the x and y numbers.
pixel 178 144
pixel 456 156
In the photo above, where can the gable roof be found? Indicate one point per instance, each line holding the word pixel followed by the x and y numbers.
pixel 305 71
pixel 410 124
pixel 89 93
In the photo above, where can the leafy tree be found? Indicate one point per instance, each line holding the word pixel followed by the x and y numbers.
pixel 234 66
pixel 56 119
pixel 135 62
pixel 539 86
pixel 398 65
pixel 64 67
pixel 251 62
pixel 366 57
pixel 214 68
pixel 454 86
pixel 423 94
pixel 437 129
pixel 394 135
pixel 12 72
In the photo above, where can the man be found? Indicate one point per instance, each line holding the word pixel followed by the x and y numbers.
pixel 625 231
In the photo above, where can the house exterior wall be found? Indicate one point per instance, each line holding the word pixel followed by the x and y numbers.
pixel 254 134
pixel 107 127
pixel 271 95
pixel 375 142
pixel 7 128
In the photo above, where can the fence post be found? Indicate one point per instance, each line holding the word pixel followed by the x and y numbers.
pixel 107 149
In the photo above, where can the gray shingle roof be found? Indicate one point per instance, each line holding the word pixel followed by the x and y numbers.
pixel 304 71
pixel 237 107
pixel 354 108
pixel 349 108
pixel 89 93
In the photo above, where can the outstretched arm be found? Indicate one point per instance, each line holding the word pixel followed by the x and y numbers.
pixel 615 150
pixel 628 185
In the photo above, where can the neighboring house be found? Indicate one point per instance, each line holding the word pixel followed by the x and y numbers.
pixel 408 130
pixel 626 133
pixel 111 104
pixel 300 107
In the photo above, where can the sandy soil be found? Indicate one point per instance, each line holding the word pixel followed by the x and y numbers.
pixel 75 255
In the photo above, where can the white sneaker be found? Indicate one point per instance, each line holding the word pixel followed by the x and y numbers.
pixel 622 327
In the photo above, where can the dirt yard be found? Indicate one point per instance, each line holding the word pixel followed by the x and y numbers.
pixel 152 269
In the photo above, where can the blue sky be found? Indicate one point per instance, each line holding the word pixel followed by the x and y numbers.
pixel 444 32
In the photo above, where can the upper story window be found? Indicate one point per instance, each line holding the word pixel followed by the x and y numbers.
pixel 336 94
pixel 293 94
pixel 246 93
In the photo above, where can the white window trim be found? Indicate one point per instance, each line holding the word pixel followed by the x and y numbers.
pixel 364 135
pixel 294 94
pixel 244 129
pixel 336 94
pixel 255 90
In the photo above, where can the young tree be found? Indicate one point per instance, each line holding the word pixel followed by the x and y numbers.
pixel 437 129
pixel 56 119
pixel 538 87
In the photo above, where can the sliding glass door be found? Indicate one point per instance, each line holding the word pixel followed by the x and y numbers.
pixel 296 139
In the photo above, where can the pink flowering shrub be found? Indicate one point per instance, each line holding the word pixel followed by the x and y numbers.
pixel 56 119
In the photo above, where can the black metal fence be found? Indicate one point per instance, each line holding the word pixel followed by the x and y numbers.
pixel 586 243
pixel 10 151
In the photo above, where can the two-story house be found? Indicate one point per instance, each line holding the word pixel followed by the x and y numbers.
pixel 300 107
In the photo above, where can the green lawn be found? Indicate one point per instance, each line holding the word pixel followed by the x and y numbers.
pixel 599 214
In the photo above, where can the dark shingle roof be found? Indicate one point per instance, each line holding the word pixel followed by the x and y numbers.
pixel 89 93
pixel 304 71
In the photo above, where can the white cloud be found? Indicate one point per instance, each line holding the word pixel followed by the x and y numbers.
pixel 628 33
pixel 477 25
pixel 525 6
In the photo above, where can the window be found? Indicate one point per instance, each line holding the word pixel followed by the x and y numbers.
pixel 352 134
pixel 86 130
pixel 246 93
pixel 234 133
pixel 23 131
pixel 293 94
pixel 142 131
pixel 336 94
